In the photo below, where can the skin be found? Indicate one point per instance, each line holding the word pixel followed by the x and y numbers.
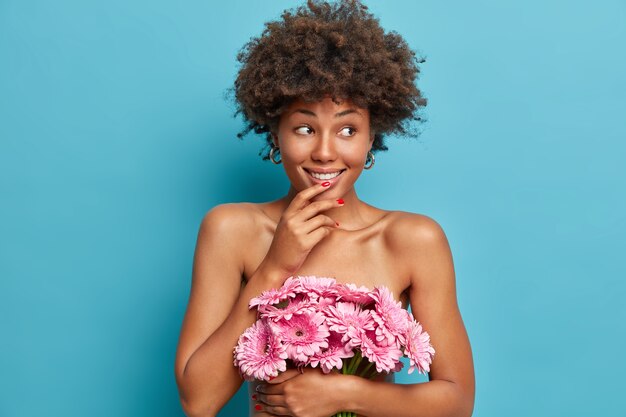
pixel 263 244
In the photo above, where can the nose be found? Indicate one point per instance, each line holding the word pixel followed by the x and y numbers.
pixel 324 148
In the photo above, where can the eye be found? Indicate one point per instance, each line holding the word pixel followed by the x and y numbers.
pixel 304 130
pixel 348 131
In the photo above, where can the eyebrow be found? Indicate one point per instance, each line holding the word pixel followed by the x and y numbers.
pixel 340 114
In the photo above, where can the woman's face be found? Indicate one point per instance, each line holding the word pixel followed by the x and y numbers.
pixel 324 137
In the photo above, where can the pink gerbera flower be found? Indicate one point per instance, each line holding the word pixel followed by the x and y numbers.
pixel 385 357
pixel 315 287
pixel 323 302
pixel 354 294
pixel 418 348
pixel 286 309
pixel 259 354
pixel 332 357
pixel 275 296
pixel 391 318
pixel 349 320
pixel 303 335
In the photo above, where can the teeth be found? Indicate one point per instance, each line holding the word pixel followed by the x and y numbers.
pixel 324 176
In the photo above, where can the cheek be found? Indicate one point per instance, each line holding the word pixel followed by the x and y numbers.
pixel 355 154
pixel 291 152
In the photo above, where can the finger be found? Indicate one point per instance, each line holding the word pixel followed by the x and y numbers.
pixel 317 222
pixel 314 369
pixel 275 411
pixel 271 400
pixel 284 376
pixel 318 234
pixel 301 199
pixel 270 389
pixel 266 389
pixel 315 208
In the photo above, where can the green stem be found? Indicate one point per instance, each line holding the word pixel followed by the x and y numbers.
pixel 356 364
pixel 348 368
pixel 367 368
pixel 373 375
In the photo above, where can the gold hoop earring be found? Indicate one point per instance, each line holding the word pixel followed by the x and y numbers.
pixel 272 153
pixel 370 157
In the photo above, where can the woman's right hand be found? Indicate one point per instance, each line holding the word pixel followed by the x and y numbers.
pixel 299 229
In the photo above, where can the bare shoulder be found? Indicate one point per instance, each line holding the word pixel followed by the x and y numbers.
pixel 229 226
pixel 414 230
pixel 237 218
pixel 420 244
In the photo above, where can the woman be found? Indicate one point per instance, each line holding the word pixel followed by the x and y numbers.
pixel 325 84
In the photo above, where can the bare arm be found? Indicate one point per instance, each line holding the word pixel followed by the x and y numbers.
pixel 217 312
pixel 450 391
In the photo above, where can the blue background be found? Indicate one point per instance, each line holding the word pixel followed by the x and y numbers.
pixel 115 139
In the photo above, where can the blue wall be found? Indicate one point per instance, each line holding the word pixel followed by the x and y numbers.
pixel 115 140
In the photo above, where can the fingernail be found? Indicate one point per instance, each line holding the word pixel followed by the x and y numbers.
pixel 337 224
pixel 326 183
pixel 340 200
pixel 257 407
pixel 254 396
pixel 272 377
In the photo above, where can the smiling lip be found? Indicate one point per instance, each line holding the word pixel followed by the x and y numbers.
pixel 323 170
pixel 319 181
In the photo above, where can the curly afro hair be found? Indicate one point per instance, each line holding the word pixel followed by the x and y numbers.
pixel 337 50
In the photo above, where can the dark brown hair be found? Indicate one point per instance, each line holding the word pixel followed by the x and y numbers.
pixel 337 50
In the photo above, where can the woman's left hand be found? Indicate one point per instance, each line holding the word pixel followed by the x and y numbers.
pixel 306 393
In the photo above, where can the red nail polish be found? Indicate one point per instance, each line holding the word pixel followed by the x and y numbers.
pixel 326 183
pixel 257 407
pixel 272 377
pixel 340 200
pixel 254 396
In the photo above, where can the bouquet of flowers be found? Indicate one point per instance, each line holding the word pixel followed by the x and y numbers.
pixel 313 321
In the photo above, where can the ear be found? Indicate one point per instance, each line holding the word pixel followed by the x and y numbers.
pixel 274 139
pixel 372 137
